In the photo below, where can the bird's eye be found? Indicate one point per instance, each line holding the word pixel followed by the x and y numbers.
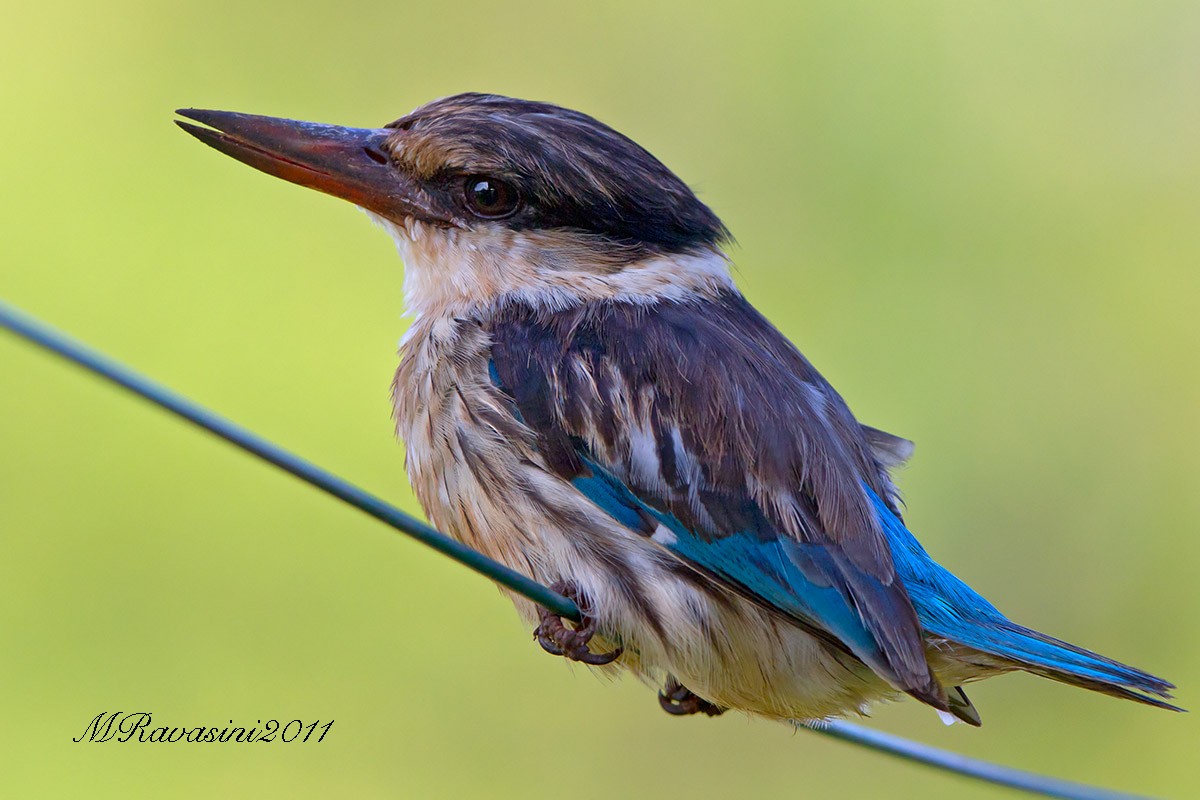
pixel 491 198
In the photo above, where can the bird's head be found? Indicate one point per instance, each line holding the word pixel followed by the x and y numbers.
pixel 491 198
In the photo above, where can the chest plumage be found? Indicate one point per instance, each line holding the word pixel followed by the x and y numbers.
pixel 499 414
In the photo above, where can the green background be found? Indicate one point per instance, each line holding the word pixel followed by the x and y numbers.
pixel 980 220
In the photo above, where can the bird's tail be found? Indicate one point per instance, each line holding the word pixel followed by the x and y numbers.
pixel 1044 655
pixel 950 609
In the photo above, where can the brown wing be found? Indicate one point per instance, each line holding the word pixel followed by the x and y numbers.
pixel 711 421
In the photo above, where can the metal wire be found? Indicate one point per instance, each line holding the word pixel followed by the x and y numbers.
pixel 77 353
pixel 909 750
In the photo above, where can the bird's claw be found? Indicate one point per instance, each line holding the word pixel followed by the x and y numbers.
pixel 557 639
pixel 677 700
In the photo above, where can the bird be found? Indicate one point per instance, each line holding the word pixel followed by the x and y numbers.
pixel 585 396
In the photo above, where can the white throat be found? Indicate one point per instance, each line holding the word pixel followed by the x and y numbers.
pixel 453 272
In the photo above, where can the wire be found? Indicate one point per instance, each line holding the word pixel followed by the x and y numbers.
pixel 909 750
pixel 44 336
pixel 48 338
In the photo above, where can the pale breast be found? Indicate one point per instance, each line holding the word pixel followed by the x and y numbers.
pixel 478 474
pixel 463 447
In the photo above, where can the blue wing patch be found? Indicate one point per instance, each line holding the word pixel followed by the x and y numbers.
pixel 782 573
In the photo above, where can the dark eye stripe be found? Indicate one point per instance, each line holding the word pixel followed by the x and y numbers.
pixel 569 172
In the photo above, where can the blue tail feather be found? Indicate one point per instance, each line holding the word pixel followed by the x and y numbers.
pixel 949 608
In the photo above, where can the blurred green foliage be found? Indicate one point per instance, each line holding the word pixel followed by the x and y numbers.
pixel 979 220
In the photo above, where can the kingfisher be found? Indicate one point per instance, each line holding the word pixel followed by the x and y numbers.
pixel 586 397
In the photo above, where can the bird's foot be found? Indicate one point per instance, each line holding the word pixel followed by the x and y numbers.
pixel 557 639
pixel 677 700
